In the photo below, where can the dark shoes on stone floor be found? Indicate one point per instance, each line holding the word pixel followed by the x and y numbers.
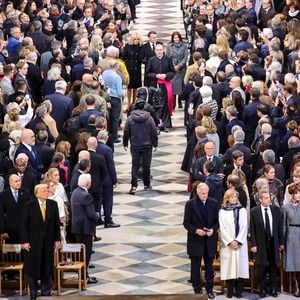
pixel 92 280
pixel 211 295
pixel 91 266
pixel 111 225
pixel 97 238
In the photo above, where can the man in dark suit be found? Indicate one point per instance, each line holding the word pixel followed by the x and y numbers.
pixel 84 217
pixel 238 162
pixel 38 37
pixel 62 105
pixel 294 148
pixel 110 179
pixel 12 201
pixel 27 146
pixel 147 52
pixel 239 137
pixel 27 175
pixel 201 223
pixel 84 167
pixel 40 234
pixel 198 172
pixel 98 172
pixel 231 115
pixel 250 116
pixel 266 13
pixel 259 73
pixel 266 241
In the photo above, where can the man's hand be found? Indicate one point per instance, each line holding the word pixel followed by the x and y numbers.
pixel 125 148
pixel 5 235
pixel 154 149
pixel 200 232
pixel 281 247
pixel 253 249
pixel 26 247
pixel 234 245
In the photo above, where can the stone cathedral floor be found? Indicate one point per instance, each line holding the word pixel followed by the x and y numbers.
pixel 147 254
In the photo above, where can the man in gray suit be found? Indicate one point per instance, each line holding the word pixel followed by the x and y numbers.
pixel 6 82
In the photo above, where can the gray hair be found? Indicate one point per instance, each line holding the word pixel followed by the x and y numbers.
pixel 269 156
pixel 32 56
pixel 41 111
pixel 276 66
pixel 87 62
pixel 53 73
pixel 207 80
pixel 112 51
pixel 17 133
pixel 232 110
pixel 239 135
pixel 289 78
pixel 293 142
pixel 47 104
pixel 102 135
pixel 60 85
pixel 266 128
pixel 84 180
pixel 235 128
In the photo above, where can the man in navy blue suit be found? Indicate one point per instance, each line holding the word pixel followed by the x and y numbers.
pixel 27 146
pixel 62 105
pixel 251 11
pixel 250 116
pixel 242 45
pixel 84 217
pixel 110 179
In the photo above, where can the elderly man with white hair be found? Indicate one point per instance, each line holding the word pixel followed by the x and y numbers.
pixel 84 218
pixel 62 105
pixel 206 93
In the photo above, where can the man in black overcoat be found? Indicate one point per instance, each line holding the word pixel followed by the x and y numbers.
pixel 40 235
pixel 84 217
pixel 201 222
pixel 266 241
pixel 12 201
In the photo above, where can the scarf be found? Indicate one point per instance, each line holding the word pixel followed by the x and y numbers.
pixel 236 215
pixel 168 85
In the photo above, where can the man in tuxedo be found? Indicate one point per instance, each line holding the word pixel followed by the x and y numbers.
pixel 266 241
pixel 84 217
pixel 12 201
pixel 209 149
pixel 40 235
pixel 148 51
pixel 201 223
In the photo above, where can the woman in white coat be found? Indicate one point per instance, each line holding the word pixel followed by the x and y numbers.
pixel 234 247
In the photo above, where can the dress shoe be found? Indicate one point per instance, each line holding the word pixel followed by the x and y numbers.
pixel 100 222
pixel 111 225
pixel 147 187
pixel 93 251
pixel 274 293
pixel 91 280
pixel 211 295
pixel 132 190
pixel 262 294
pixel 97 238
pixel 91 266
pixel 117 141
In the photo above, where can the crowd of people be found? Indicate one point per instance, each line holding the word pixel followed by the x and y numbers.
pixel 65 68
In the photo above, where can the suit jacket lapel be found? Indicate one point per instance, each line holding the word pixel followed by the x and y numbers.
pixel 260 216
pixel 197 211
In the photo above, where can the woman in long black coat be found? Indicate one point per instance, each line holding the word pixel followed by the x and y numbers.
pixel 131 56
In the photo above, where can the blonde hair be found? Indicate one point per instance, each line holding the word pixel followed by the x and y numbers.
pixel 226 101
pixel 229 193
pixel 64 147
pixel 96 43
pixel 49 174
pixel 209 125
pixel 133 36
pixel 223 44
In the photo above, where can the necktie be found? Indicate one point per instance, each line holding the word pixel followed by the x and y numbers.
pixel 267 224
pixel 33 153
pixel 16 196
pixel 43 210
pixel 153 47
pixel 203 212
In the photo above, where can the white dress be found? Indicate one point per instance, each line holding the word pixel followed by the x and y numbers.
pixel 234 263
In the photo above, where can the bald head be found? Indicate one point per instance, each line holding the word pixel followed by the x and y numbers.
pixel 92 143
pixel 87 79
pixel 83 154
pixel 235 82
pixel 28 137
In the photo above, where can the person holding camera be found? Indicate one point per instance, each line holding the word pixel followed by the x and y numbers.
pixel 201 223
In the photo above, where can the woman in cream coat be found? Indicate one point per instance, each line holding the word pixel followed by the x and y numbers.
pixel 234 246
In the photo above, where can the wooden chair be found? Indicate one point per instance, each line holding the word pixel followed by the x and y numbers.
pixel 12 261
pixel 71 258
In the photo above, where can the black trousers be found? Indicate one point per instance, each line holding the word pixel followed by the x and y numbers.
pixel 46 284
pixel 196 276
pixel 271 268
pixel 141 157
pixel 87 240
pixel 107 201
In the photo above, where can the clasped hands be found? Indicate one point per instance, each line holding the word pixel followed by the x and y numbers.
pixel 161 76
pixel 202 232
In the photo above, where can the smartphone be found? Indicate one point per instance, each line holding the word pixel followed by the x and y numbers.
pixel 205 229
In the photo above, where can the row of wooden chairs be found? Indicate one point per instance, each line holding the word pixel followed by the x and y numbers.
pixel 69 258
